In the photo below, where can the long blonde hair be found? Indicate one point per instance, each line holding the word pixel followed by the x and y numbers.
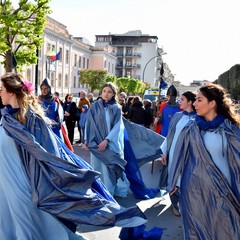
pixel 15 83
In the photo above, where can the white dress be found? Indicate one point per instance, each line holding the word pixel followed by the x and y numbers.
pixel 19 218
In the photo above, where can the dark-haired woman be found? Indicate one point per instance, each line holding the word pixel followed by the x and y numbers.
pixel 70 109
pixel 178 122
pixel 207 158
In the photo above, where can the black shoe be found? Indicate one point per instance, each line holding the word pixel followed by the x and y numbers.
pixel 79 141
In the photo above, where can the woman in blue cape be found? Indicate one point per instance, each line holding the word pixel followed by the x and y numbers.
pixel 44 186
pixel 178 122
pixel 208 160
pixel 119 147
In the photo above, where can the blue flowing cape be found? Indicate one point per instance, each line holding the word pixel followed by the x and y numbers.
pixel 62 183
pixel 141 145
pixel 210 206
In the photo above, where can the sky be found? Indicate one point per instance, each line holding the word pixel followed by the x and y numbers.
pixel 201 38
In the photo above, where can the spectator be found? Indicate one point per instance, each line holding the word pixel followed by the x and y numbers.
pixel 167 110
pixel 82 122
pixel 128 106
pixel 83 100
pixel 90 98
pixel 56 95
pixel 70 110
pixel 137 112
pixel 148 112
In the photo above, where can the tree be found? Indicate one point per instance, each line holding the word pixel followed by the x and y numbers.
pixel 94 78
pixel 21 31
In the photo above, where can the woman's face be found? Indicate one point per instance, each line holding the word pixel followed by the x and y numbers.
pixel 69 98
pixel 44 90
pixel 107 94
pixel 6 96
pixel 184 103
pixel 205 108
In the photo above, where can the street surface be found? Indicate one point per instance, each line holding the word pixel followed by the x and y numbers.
pixel 158 210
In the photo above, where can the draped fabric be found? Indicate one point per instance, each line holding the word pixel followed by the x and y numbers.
pixel 141 145
pixel 61 182
pixel 96 131
pixel 210 205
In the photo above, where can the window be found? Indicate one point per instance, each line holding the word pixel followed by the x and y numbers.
pixel 59 80
pixel 74 81
pixel 84 62
pixel 87 63
pixel 52 79
pixel 61 50
pixel 66 81
pixel 67 56
pixel 75 60
pixel 80 62
pixel 48 47
pixel 105 63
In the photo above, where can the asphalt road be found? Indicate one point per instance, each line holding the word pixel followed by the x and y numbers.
pixel 158 210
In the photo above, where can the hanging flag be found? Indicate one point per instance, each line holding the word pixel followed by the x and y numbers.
pixel 56 57
pixel 163 84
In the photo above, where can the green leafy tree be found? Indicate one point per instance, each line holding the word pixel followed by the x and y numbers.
pixel 111 78
pixel 21 31
pixel 94 78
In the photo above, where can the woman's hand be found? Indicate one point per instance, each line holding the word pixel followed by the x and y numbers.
pixel 164 159
pixel 66 114
pixel 102 146
pixel 85 147
pixel 173 191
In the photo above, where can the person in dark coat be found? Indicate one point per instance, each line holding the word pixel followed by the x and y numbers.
pixel 137 111
pixel 70 109
pixel 148 112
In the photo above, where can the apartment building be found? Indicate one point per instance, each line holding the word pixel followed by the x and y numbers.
pixel 138 55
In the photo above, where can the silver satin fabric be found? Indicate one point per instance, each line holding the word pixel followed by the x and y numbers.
pixel 61 182
pixel 210 206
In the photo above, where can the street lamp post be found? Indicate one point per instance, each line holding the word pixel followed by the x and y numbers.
pixel 158 55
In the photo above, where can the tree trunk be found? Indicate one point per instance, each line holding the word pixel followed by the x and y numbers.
pixel 8 66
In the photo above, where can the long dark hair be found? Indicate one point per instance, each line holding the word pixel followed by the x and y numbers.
pixel 219 95
pixel 190 96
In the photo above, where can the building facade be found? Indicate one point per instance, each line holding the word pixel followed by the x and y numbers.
pixel 138 55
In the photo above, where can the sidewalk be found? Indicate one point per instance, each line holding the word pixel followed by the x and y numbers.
pixel 158 210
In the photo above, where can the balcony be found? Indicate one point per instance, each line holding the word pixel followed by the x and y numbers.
pixel 137 66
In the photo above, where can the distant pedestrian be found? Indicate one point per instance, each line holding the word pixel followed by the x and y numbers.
pixel 56 95
pixel 70 110
pixel 83 100
pixel 168 109
pixel 137 112
pixel 206 157
pixel 147 104
pixel 90 98
pixel 82 121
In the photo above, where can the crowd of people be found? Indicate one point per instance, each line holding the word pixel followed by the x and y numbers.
pixel 47 190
